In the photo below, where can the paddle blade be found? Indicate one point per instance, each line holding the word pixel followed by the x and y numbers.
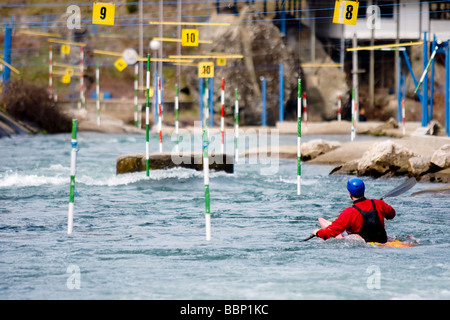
pixel 310 237
pixel 405 186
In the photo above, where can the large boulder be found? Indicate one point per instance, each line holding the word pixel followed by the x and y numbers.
pixel 418 165
pixel 441 157
pixel 385 157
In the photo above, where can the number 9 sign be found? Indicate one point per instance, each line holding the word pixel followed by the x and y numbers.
pixel 345 12
pixel 103 13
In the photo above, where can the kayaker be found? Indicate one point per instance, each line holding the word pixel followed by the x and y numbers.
pixel 365 217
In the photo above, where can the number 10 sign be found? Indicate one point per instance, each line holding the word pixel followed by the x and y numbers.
pixel 345 12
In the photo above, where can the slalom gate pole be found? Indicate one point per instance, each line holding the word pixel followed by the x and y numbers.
pixel 206 106
pixel 147 120
pixel 263 102
pixel 299 135
pixel 159 114
pixel 97 91
pixel 403 116
pixel 339 108
pixel 50 69
pixel 206 168
pixel 73 160
pixel 222 116
pixel 305 109
pixel 425 71
pixel 353 106
pixel 82 97
pixel 236 125
pixel 176 118
pixel 136 74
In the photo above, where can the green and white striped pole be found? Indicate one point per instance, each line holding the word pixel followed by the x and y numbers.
pixel 299 135
pixel 426 68
pixel 73 160
pixel 176 118
pixel 97 92
pixel 206 173
pixel 136 74
pixel 147 119
pixel 353 106
pixel 236 125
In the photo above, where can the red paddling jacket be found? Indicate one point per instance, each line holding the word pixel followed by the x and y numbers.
pixel 365 217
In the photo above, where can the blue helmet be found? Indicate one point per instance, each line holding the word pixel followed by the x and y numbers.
pixel 356 187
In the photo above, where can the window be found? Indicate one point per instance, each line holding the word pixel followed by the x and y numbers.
pixel 440 10
pixel 386 8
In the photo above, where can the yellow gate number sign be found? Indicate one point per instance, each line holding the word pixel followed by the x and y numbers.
pixel 69 71
pixel 345 12
pixel 206 69
pixel 221 61
pixel 189 37
pixel 120 64
pixel 103 13
pixel 65 49
pixel 66 78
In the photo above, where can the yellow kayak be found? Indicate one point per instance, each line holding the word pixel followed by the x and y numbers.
pixel 391 243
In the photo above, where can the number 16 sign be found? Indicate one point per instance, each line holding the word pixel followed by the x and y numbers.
pixel 345 12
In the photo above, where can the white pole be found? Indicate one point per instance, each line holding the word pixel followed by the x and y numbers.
pixel 236 125
pixel 222 116
pixel 176 118
pixel 136 102
pixel 50 70
pixel 299 135
pixel 97 92
pixel 82 97
pixel 403 116
pixel 159 114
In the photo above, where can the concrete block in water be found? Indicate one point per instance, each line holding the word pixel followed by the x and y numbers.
pixel 166 160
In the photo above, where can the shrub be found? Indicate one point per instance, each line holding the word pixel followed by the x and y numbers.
pixel 27 102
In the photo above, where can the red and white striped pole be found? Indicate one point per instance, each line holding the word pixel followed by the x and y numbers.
pixel 50 70
pixel 305 112
pixel 339 108
pixel 222 116
pixel 82 98
pixel 159 114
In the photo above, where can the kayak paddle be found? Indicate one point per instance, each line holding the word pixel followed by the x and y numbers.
pixel 405 186
pixel 310 237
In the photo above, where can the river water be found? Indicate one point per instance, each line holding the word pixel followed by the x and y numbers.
pixel 144 238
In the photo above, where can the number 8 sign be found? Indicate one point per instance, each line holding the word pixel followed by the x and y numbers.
pixel 103 13
pixel 345 12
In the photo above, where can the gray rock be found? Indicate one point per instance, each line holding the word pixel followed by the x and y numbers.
pixel 441 157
